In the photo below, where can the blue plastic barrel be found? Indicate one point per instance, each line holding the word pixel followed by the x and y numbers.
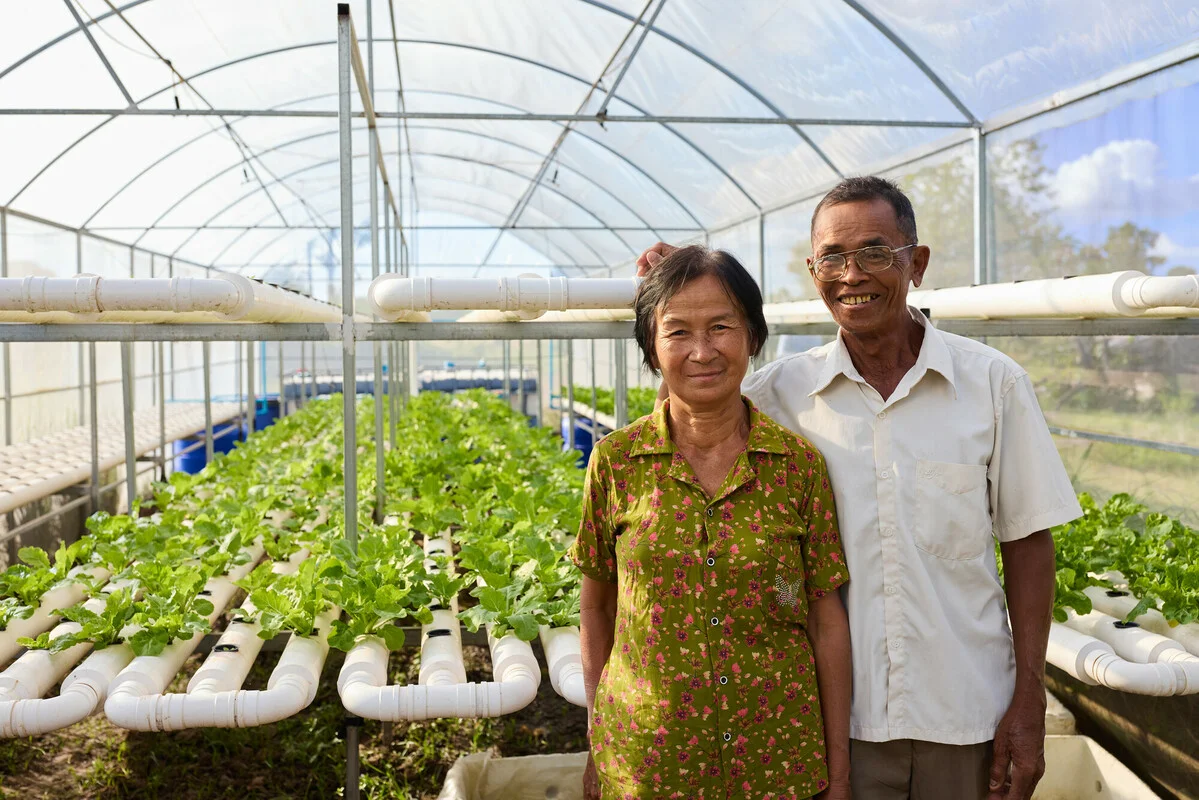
pixel 224 438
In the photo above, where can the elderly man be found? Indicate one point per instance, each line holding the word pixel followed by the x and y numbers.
pixel 934 443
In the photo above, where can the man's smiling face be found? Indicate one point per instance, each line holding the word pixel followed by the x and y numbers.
pixel 861 302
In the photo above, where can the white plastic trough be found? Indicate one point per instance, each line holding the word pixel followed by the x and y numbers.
pixel 396 298
pixel 1116 294
pixel 442 690
pixel 91 298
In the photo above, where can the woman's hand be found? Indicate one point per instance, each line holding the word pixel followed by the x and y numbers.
pixel 591 787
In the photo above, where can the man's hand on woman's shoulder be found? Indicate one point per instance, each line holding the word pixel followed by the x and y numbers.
pixel 647 260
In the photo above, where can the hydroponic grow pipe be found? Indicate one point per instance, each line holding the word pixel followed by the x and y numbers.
pixel 1121 603
pixel 1095 662
pixel 91 298
pixel 42 619
pixel 135 695
pixel 395 298
pixel 563 655
pixel 1116 294
pixel 443 690
pixel 1135 644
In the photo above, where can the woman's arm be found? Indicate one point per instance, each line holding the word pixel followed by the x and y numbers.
pixel 597 617
pixel 597 629
pixel 828 630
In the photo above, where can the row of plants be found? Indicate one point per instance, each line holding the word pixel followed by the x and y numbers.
pixel 641 399
pixel 201 526
pixel 1158 557
pixel 467 464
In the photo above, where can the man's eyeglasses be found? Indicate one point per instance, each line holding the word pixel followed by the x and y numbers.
pixel 869 259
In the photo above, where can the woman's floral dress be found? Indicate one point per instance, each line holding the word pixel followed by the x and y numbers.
pixel 710 690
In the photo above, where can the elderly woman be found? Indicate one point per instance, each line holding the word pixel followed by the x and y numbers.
pixel 715 647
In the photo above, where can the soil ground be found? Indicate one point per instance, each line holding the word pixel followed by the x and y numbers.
pixel 301 757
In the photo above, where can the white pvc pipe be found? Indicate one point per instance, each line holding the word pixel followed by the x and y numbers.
pixel 363 687
pixel 42 619
pixel 394 298
pixel 91 298
pixel 1116 294
pixel 1095 663
pixel 564 658
pixel 1152 620
pixel 1140 646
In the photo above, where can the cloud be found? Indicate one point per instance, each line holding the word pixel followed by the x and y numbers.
pixel 1123 177
pixel 1173 251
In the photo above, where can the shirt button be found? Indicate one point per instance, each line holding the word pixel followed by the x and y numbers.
pixel 724 679
pixel 895 644
pixel 891 590
pixel 709 512
pixel 888 531
pixel 884 474
pixel 728 736
pixel 711 562
pixel 882 415
pixel 715 621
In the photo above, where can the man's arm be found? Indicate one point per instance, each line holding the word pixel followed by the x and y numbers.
pixel 1028 569
pixel 828 629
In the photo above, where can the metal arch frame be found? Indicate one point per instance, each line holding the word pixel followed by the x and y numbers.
pixel 439 178
pixel 551 256
pixel 895 39
pixel 437 197
pixel 728 74
pixel 607 148
pixel 435 43
pixel 333 132
pixel 326 163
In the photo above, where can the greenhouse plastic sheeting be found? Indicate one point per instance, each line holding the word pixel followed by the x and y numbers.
pixel 485 776
pixel 255 194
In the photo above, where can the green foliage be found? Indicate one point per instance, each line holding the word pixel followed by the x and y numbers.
pixel 641 399
pixel 1155 554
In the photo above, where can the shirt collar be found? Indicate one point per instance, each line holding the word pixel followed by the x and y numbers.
pixel 652 434
pixel 934 355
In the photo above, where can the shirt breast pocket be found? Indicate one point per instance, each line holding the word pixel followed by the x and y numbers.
pixel 786 585
pixel 953 521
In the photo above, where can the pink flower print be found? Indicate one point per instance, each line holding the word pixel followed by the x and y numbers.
pixel 680 516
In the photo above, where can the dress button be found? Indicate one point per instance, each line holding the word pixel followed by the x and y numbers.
pixel 728 736
pixel 715 621
pixel 709 512
pixel 724 679
pixel 711 562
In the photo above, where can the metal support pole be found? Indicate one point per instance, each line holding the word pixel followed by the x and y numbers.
pixel 540 387
pixel 7 354
pixel 162 412
pixel 349 373
pixel 241 397
pixel 981 271
pixel 762 253
pixel 94 428
pixel 520 372
pixel 621 389
pixel 130 433
pixel 594 395
pixel 206 347
pixel 353 727
pixel 251 395
pixel 282 389
pixel 380 461
pixel 570 394
pixel 506 349
pixel 78 270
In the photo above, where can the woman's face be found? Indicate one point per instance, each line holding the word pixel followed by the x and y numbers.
pixel 701 344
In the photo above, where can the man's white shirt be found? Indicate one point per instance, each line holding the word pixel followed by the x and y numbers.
pixel 959 454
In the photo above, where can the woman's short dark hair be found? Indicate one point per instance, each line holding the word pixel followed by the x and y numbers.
pixel 682 267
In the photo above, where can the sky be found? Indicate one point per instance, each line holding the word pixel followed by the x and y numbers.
pixel 1138 161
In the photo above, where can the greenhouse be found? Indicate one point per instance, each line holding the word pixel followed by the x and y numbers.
pixel 314 315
